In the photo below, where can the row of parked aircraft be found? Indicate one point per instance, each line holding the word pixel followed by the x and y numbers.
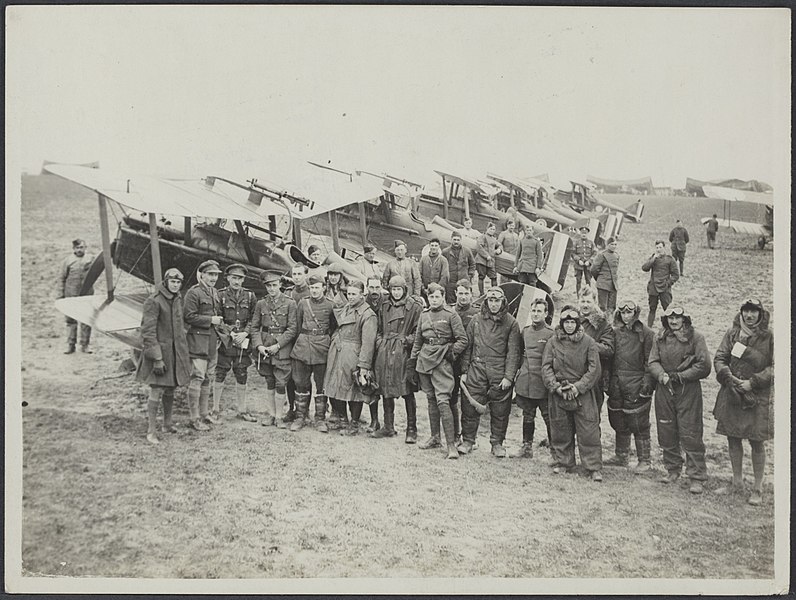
pixel 270 226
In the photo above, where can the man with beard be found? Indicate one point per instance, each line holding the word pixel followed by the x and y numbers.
pixel 406 268
pixel 398 316
pixel 631 386
pixel 485 257
pixel 164 362
pixel 582 256
pixel 605 271
pixel 489 366
pixel 202 314
pixel 597 327
pixel 315 319
pixel 678 238
pixel 570 369
pixel 349 366
pixel 461 265
pixel 530 259
pixel 74 269
pixel 529 386
pixel 237 306
pixel 679 359
pixel 439 340
pixel 273 329
pixel 434 267
pixel 664 273
pixel 466 311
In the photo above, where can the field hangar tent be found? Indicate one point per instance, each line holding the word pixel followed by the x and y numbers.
pixel 623 186
pixel 694 186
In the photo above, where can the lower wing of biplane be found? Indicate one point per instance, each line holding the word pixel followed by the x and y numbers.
pixel 764 231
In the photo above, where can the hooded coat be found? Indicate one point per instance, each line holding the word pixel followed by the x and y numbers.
pixel 756 365
pixel 572 358
pixel 689 358
pixel 396 335
pixel 163 338
pixel 352 347
pixel 597 327
pixel 495 341
pixel 629 374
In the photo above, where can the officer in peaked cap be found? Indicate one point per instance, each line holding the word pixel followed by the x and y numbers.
pixel 269 276
pixel 236 268
pixel 209 266
pixel 582 256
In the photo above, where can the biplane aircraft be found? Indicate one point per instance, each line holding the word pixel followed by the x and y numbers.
pixel 764 231
pixel 583 197
pixel 257 223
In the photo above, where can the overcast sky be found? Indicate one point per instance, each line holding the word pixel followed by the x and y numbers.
pixel 253 91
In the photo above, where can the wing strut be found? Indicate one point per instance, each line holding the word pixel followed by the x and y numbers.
pixel 157 267
pixel 444 200
pixel 245 239
pixel 106 244
pixel 187 232
pixel 363 224
pixel 335 231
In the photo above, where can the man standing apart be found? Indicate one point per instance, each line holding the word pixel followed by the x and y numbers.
pixel 315 319
pixel 679 359
pixel 582 257
pixel 712 226
pixel 466 311
pixel 406 268
pixel 663 275
pixel 439 340
pixel 530 259
pixel 461 265
pixel 434 267
pixel 202 314
pixel 273 329
pixel 489 363
pixel 70 281
pixel 605 271
pixel 678 238
pixel 398 317
pixel 237 306
pixel 349 367
pixel 530 387
pixel 485 257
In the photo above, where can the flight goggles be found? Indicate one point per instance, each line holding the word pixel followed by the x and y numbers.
pixel 628 306
pixel 752 302
pixel 570 314
pixel 677 311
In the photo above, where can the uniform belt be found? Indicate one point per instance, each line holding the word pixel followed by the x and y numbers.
pixel 315 331
pixel 273 329
pixel 436 342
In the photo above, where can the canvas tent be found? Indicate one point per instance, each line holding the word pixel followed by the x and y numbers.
pixel 623 186
pixel 694 186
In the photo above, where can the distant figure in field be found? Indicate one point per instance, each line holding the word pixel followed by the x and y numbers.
pixel 663 275
pixel 678 238
pixel 712 226
pixel 605 270
pixel 74 269
pixel 744 366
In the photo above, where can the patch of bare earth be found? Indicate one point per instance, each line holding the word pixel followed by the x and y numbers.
pixel 243 501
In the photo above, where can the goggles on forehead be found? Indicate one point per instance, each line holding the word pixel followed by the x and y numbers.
pixel 752 301
pixel 628 306
pixel 570 315
pixel 676 311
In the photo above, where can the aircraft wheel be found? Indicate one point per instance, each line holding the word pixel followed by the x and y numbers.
pixel 761 242
pixel 541 222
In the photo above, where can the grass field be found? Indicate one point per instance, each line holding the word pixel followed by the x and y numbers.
pixel 246 502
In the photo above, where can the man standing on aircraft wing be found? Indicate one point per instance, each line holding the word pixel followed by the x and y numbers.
pixel 273 330
pixel 202 315
pixel 74 269
pixel 582 257
pixel 316 323
pixel 663 275
pixel 439 340
pixel 237 306
pixel 489 365
pixel 461 265
pixel 406 268
pixel 678 238
pixel 485 257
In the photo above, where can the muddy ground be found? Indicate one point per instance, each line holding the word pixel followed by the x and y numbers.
pixel 243 501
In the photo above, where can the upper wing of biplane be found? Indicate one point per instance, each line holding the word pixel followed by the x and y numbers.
pixel 530 187
pixel 733 195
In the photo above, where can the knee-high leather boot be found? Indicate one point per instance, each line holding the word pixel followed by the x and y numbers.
pixel 411 419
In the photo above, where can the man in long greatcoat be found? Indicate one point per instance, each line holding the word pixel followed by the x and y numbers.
pixel 74 269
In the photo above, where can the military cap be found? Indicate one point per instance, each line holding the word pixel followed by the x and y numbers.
pixel 209 266
pixel 584 228
pixel 368 247
pixel 399 243
pixel 237 267
pixel 313 279
pixel 269 276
